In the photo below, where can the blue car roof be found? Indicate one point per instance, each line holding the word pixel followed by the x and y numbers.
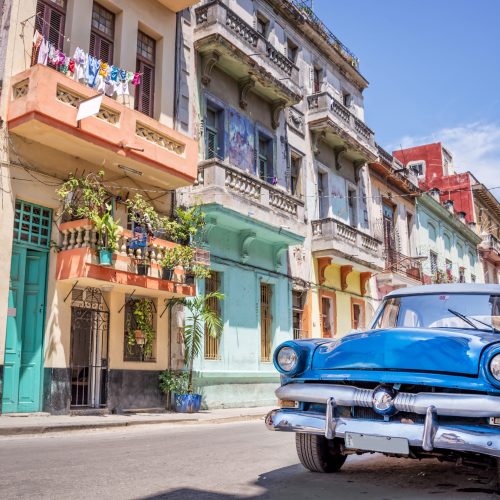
pixel 466 288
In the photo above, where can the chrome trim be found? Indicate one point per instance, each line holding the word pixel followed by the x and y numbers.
pixel 331 420
pixel 456 405
pixel 477 439
pixel 430 429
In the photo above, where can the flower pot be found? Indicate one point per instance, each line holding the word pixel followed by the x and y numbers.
pixel 189 279
pixel 105 257
pixel 167 274
pixel 142 269
pixel 139 337
pixel 187 403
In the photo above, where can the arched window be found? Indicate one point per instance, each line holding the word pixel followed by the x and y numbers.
pixel 432 231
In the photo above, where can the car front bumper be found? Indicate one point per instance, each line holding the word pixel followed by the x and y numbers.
pixel 429 436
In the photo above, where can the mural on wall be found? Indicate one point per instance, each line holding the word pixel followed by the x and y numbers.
pixel 338 197
pixel 241 148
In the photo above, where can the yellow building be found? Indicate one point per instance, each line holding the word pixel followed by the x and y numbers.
pixel 63 336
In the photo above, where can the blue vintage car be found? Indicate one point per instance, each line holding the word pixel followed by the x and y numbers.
pixel 423 381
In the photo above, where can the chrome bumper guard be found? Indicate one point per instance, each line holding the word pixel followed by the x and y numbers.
pixel 430 435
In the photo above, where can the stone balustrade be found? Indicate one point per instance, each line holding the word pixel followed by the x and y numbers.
pixel 490 242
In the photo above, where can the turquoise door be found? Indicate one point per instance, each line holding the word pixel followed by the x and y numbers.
pixel 23 362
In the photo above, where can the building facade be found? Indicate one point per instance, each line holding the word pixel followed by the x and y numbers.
pixel 64 318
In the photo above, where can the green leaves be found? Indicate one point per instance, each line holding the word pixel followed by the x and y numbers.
pixel 174 382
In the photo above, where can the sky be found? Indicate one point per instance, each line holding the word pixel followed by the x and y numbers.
pixel 434 73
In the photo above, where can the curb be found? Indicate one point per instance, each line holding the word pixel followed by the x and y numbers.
pixel 45 429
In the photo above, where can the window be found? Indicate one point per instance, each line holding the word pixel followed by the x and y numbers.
pixel 346 99
pixel 295 174
pixel 102 33
pixel 146 56
pixel 134 342
pixel 265 162
pixel 32 224
pixel 212 345
pixel 213 132
pixel 317 79
pixel 418 168
pixel 388 221
pixel 262 25
pixel 461 274
pixel 351 202
pixel 434 262
pixel 357 314
pixel 323 194
pixel 409 230
pixel 291 50
pixel 266 321
pixel 327 317
pixel 50 21
pixel 297 313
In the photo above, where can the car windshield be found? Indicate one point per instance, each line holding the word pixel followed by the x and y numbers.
pixel 465 311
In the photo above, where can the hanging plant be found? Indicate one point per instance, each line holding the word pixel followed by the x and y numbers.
pixel 142 333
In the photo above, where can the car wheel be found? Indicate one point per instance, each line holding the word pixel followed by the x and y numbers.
pixel 319 454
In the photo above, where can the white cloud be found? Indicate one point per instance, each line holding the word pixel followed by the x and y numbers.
pixel 475 147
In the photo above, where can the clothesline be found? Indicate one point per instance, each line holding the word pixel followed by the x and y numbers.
pixel 85 68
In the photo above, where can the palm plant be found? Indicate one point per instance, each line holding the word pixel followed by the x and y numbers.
pixel 201 319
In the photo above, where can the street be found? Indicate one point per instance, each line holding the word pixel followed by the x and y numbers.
pixel 208 461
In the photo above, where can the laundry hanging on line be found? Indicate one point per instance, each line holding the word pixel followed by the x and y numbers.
pixel 85 68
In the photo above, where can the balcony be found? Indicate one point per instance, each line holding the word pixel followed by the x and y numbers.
pixel 221 184
pixel 227 41
pixel 331 237
pixel 77 261
pixel 400 270
pixel 43 108
pixel 489 248
pixel 331 122
pixel 394 172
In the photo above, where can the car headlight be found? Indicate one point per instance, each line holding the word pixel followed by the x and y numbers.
pixel 287 359
pixel 495 367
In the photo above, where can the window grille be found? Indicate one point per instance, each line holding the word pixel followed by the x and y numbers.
pixel 266 321
pixel 134 352
pixel 434 262
pixel 212 345
pixel 32 224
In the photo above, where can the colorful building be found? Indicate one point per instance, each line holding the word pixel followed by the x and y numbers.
pixel 63 336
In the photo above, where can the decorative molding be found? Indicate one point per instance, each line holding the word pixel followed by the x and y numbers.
pixel 276 108
pixel 210 225
pixel 295 120
pixel 245 85
pixel 323 263
pixel 344 272
pixel 209 60
pixel 337 152
pixel 246 238
pixel 317 137
pixel 278 251
pixel 364 279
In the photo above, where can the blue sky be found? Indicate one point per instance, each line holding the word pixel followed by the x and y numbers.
pixel 434 73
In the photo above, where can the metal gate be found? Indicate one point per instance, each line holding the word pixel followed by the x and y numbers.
pixel 89 348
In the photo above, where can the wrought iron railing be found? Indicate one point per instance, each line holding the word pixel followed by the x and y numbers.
pixel 491 242
pixel 400 263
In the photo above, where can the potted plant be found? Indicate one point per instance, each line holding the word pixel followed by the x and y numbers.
pixel 172 258
pixel 197 271
pixel 142 334
pixel 142 267
pixel 174 383
pixel 187 224
pixel 200 318
pixel 107 235
pixel 143 214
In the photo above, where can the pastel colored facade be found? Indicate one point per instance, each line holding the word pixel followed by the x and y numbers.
pixel 394 190
pixel 63 321
pixel 448 243
pixel 283 179
pixel 471 200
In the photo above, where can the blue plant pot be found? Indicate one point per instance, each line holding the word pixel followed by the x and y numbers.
pixel 187 403
pixel 105 257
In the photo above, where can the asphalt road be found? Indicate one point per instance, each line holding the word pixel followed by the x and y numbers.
pixel 215 461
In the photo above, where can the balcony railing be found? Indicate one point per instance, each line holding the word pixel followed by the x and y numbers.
pixel 491 242
pixel 326 103
pixel 217 173
pixel 396 166
pixel 217 12
pixel 335 230
pixel 299 334
pixel 400 263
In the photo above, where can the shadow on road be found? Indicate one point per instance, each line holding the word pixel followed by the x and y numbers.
pixel 363 477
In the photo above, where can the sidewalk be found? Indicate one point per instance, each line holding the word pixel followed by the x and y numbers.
pixel 11 425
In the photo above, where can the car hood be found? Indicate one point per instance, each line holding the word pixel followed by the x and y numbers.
pixel 406 349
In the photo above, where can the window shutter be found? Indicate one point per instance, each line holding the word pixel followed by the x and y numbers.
pixel 50 22
pixel 211 144
pixel 93 43
pixel 145 91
